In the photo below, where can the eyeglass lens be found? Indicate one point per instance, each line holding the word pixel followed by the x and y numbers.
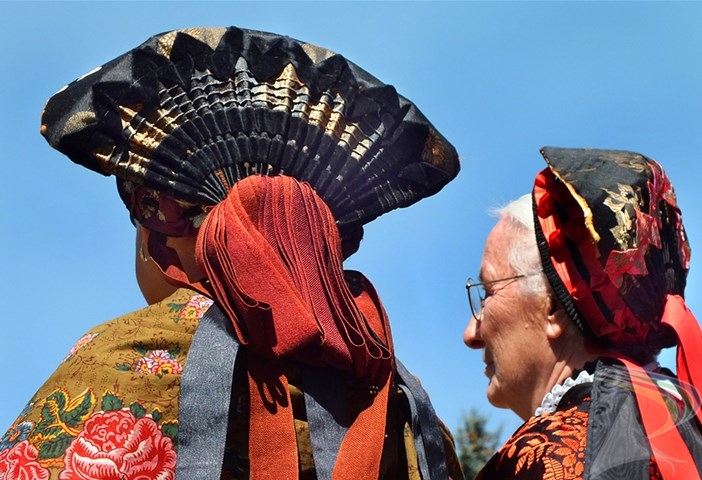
pixel 476 296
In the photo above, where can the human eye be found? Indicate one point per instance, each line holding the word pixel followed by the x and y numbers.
pixel 484 292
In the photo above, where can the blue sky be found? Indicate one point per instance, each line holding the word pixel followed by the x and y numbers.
pixel 499 80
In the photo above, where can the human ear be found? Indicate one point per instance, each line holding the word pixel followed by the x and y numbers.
pixel 556 320
pixel 153 283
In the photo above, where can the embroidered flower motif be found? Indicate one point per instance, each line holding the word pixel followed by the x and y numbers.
pixel 159 363
pixel 20 463
pixel 555 441
pixel 195 308
pixel 82 341
pixel 15 435
pixel 115 445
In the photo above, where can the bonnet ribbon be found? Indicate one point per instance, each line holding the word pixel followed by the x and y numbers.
pixel 677 316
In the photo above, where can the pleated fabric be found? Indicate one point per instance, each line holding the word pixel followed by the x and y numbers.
pixel 271 253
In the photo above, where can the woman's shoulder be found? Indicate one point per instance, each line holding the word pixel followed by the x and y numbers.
pixel 180 311
pixel 125 372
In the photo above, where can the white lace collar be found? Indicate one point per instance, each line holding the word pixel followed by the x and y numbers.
pixel 551 399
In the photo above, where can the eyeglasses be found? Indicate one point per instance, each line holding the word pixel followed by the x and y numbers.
pixel 477 294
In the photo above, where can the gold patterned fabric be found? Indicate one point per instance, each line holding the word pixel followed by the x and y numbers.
pixel 111 407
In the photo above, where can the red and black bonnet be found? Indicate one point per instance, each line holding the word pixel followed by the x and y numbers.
pixel 612 242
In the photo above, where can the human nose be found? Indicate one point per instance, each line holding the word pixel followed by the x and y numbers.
pixel 471 336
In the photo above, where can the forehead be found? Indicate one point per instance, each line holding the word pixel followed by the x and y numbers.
pixel 495 262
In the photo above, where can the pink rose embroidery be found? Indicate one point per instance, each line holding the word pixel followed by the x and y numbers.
pixel 158 362
pixel 82 341
pixel 196 307
pixel 116 445
pixel 20 463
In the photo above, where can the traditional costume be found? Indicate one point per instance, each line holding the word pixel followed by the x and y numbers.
pixel 615 252
pixel 277 363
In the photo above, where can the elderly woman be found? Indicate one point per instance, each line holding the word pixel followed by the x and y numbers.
pixel 249 163
pixel 572 317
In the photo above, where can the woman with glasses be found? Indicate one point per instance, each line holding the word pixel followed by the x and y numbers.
pixel 581 285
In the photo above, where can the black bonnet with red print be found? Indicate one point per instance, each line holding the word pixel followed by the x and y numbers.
pixel 612 243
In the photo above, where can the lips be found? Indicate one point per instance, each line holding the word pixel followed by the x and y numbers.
pixel 489 369
pixel 489 365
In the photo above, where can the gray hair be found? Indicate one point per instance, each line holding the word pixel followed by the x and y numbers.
pixel 523 255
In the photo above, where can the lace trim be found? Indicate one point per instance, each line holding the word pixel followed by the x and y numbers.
pixel 551 399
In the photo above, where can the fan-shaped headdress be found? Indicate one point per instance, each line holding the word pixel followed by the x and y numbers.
pixel 614 249
pixel 275 153
pixel 189 113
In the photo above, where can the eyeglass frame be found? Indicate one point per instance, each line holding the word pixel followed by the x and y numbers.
pixel 470 284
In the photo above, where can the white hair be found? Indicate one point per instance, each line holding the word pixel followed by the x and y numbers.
pixel 523 255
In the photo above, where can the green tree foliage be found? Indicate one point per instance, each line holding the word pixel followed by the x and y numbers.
pixel 475 443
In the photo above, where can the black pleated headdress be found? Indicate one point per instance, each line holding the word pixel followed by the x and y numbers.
pixel 190 112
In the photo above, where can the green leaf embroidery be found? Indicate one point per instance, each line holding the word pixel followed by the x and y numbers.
pixel 62 416
pixel 170 429
pixel 55 447
pixel 156 415
pixel 174 352
pixel 50 431
pixel 137 410
pixel 123 367
pixel 111 402
pixel 175 307
pixel 51 410
pixel 48 418
pixel 59 397
pixel 141 348
pixel 77 415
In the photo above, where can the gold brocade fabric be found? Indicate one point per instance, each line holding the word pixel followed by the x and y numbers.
pixel 110 410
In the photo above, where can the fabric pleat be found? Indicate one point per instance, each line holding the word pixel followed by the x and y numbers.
pixel 271 253
pixel 190 112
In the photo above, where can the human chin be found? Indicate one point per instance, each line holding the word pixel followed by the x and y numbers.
pixel 494 392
